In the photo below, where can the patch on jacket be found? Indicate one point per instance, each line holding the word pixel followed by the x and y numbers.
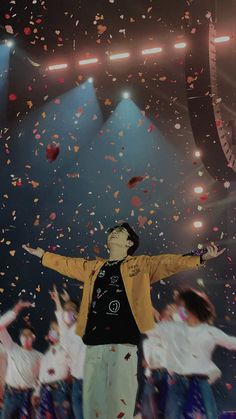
pixel 133 270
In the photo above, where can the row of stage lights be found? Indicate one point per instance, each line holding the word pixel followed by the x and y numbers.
pixel 198 190
pixel 120 56
pixel 197 224
pixel 126 55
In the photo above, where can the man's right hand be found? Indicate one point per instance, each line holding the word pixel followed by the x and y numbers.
pixel 36 252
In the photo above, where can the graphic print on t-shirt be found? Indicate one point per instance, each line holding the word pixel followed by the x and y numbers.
pixel 110 318
pixel 114 307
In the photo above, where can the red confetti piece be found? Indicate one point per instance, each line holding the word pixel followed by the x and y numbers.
pixel 52 248
pixel 136 201
pixel 120 415
pixel 52 216
pixel 219 123
pixel 134 181
pixel 27 31
pixel 52 152
pixel 12 97
pixel 151 128
pixel 204 197
pixel 229 386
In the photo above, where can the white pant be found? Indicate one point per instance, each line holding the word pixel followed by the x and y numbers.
pixel 110 381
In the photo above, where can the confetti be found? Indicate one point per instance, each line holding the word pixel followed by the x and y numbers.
pixel 52 152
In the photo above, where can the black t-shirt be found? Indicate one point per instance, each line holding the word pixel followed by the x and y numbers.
pixel 110 319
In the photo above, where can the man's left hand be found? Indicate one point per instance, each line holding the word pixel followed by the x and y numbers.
pixel 212 252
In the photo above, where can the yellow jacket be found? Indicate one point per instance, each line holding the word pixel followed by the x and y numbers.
pixel 138 272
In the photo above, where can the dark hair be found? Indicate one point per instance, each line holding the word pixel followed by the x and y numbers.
pixel 27 327
pixel 198 304
pixel 132 236
pixel 75 302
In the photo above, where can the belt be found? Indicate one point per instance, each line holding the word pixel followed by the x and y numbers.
pixel 191 376
pixel 17 389
pixel 200 376
pixel 57 384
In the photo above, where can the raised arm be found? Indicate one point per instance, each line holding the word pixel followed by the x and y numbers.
pixel 75 268
pixel 56 298
pixel 163 266
pixel 224 340
pixel 63 328
pixel 6 320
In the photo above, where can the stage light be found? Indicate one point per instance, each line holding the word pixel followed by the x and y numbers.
pixel 198 189
pixel 197 224
pixel 197 153
pixel 90 79
pixel 119 56
pixel 88 61
pixel 221 39
pixel 151 51
pixel 126 95
pixel 9 43
pixel 57 67
pixel 180 45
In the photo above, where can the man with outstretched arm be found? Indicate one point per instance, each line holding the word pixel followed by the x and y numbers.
pixel 115 309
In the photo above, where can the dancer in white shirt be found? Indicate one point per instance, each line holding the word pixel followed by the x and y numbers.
pixel 188 348
pixel 73 345
pixel 3 370
pixel 22 366
pixel 54 380
pixel 156 388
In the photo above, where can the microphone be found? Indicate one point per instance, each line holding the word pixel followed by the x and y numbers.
pixel 199 252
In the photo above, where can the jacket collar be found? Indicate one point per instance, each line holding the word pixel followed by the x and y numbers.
pixel 99 259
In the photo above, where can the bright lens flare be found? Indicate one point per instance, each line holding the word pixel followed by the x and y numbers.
pixel 197 224
pixel 9 43
pixel 198 189
pixel 126 95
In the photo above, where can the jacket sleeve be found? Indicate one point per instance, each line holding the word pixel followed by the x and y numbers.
pixel 75 268
pixel 163 266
